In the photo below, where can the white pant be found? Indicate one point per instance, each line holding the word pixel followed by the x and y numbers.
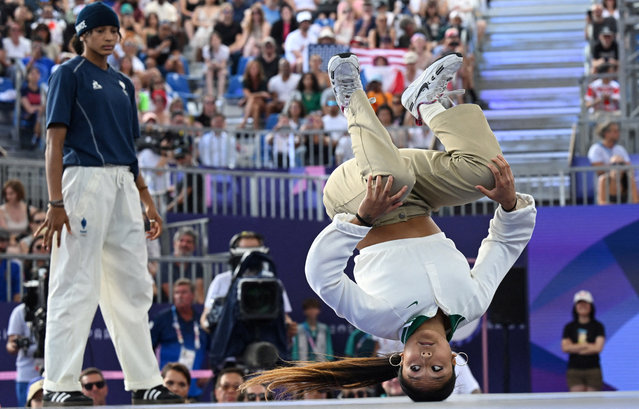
pixel 103 261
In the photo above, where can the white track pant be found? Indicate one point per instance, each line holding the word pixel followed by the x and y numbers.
pixel 103 261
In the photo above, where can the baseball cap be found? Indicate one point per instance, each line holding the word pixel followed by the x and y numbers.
pixel 583 295
pixel 451 32
pixel 326 32
pixel 35 385
pixel 606 31
pixel 304 16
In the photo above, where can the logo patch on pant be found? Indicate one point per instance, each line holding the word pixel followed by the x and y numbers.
pixel 83 229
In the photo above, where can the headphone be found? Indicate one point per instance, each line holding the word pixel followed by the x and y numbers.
pixel 246 234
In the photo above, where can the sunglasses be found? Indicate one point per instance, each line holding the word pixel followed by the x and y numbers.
pixel 98 384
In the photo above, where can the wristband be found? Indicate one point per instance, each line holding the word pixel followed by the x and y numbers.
pixel 56 203
pixel 362 221
pixel 142 188
pixel 513 208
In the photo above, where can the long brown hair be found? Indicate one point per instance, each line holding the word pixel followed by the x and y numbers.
pixel 320 376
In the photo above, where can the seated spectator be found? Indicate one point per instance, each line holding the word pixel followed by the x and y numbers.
pixel 420 46
pixel 344 27
pixel 227 385
pixel 31 268
pixel 151 27
pixel 374 90
pixel 255 393
pixel 601 153
pixel 131 18
pixel 334 122
pixel 318 145
pixel 199 25
pixel 217 148
pixel 283 141
pixel 131 46
pixel 165 10
pixel 381 36
pixel 298 40
pixel 398 136
pixel 617 186
pixel 208 110
pixel 271 9
pixel 283 27
pixel 32 108
pixel 316 64
pixel 409 27
pixel 160 108
pixel 313 341
pixel 296 114
pixel 35 392
pixel 15 213
pixel 596 21
pixel 269 58
pixel 165 50
pixel 433 23
pixel 309 92
pixel 94 386
pixel 255 94
pixel 352 393
pixel 177 332
pixel 230 30
pixel 281 87
pixel 177 378
pixel 240 8
pixel 254 28
pixel 54 21
pixel 364 24
pixel 216 56
pixel 50 48
pixel 16 45
pixel 606 50
pixel 412 72
pixel 602 95
pixel 610 9
pixel 34 222
pixel 9 273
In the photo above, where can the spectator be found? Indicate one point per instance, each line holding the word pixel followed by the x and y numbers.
pixel 164 49
pixel 412 72
pixel 35 392
pixel 51 49
pixel 334 122
pixel 32 107
pixel 15 213
pixel 345 25
pixel 254 28
pixel 53 20
pixel 160 102
pixel 606 50
pixel 434 24
pixel 359 344
pixel 255 94
pixel 313 341
pixel 298 40
pixel 602 95
pixel 21 341
pixel 343 149
pixel 208 110
pixel 617 185
pixel 583 339
pixel 317 143
pixel 352 393
pixel 151 27
pixel 269 58
pixel 131 47
pixel 255 393
pixel 281 87
pixel 34 222
pixel 227 385
pixel 595 22
pixel 271 9
pixel 176 331
pixel 218 148
pixel 16 45
pixel 375 90
pixel 189 192
pixel 230 30
pixel 284 26
pixel 409 27
pixel 164 9
pixel 284 141
pixel 215 56
pixel 241 243
pixel 94 386
pixel 309 92
pixel 610 9
pixel 601 153
pixel 296 114
pixel 184 245
pixel 199 26
pixel 177 378
pixel 239 9
pixel 364 24
pixel 398 136
pixel 31 269
pixel 381 36
pixel 316 67
pixel 153 162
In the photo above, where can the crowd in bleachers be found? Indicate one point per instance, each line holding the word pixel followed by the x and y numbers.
pixel 183 54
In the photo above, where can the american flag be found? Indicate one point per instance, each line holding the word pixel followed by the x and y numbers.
pixel 391 75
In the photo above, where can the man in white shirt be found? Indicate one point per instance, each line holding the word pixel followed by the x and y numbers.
pixel 335 123
pixel 164 9
pixel 216 148
pixel 281 87
pixel 297 41
pixel 16 45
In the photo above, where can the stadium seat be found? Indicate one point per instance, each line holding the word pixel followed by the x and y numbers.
pixel 235 88
pixel 241 66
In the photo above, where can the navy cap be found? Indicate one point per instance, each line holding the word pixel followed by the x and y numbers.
pixel 95 15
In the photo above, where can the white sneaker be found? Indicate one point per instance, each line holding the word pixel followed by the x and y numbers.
pixel 431 85
pixel 343 71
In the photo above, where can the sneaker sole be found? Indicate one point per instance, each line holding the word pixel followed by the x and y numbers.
pixel 419 82
pixel 155 402
pixel 339 57
pixel 67 404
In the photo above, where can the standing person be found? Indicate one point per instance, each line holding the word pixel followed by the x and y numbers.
pixel 583 339
pixel 411 283
pixel 94 224
pixel 313 341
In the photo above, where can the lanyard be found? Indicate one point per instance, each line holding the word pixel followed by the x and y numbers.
pixel 309 337
pixel 178 331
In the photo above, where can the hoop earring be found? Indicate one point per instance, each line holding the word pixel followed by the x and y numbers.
pixel 465 356
pixel 390 360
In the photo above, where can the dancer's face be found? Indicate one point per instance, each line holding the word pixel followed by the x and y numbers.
pixel 427 361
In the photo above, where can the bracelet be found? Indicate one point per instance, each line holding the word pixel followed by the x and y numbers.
pixel 513 208
pixel 362 221
pixel 142 188
pixel 56 203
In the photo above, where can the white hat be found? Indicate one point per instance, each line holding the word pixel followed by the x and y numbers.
pixel 304 16
pixel 583 295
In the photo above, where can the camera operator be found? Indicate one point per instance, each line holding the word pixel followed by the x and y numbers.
pixel 155 152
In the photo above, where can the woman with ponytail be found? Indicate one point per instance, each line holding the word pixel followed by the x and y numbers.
pixel 411 283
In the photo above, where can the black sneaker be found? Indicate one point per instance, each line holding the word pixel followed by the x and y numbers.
pixel 74 398
pixel 156 395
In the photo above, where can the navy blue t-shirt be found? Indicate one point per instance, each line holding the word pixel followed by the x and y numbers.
pixel 98 107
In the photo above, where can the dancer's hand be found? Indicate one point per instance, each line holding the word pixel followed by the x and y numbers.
pixel 504 190
pixel 379 200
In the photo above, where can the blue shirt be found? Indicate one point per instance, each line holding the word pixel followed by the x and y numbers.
pixel 99 110
pixel 163 335
pixel 14 274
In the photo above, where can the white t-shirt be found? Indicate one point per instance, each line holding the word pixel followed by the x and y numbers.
pixel 19 51
pixel 599 153
pixel 337 125
pixel 284 89
pixel 222 54
pixel 158 182
pixel 165 11
pixel 217 149
pixel 220 287
pixel 295 41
